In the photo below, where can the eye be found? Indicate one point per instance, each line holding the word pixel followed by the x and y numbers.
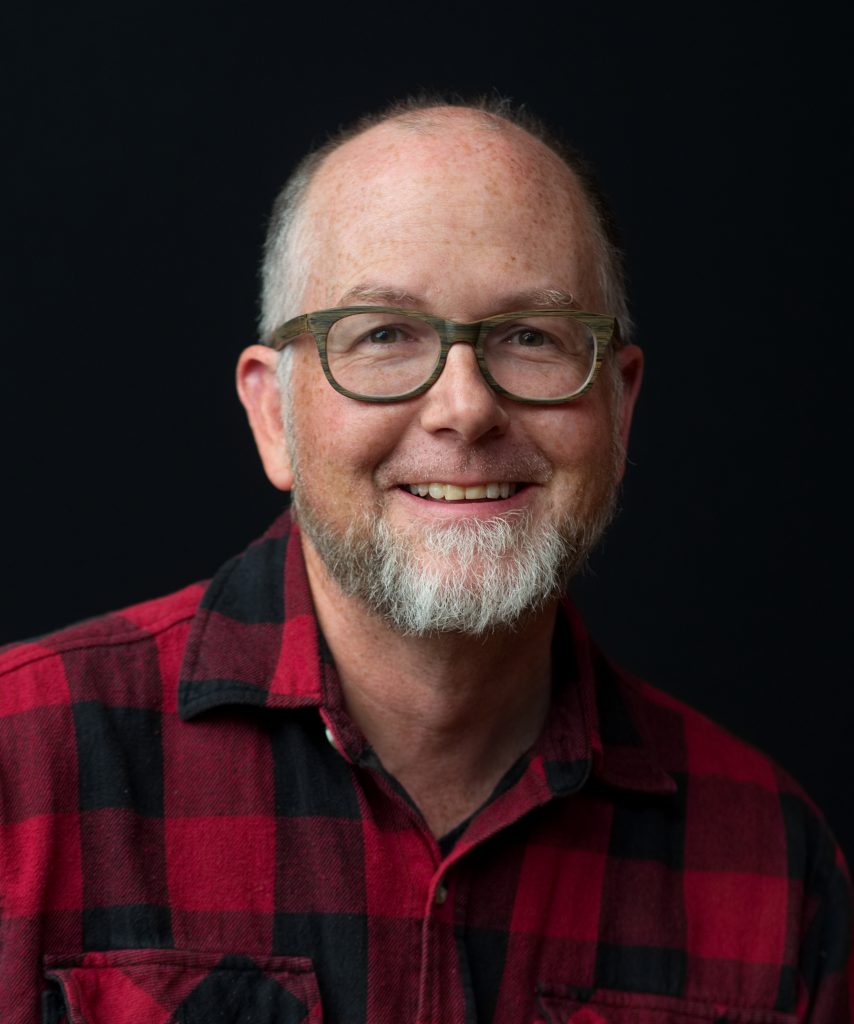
pixel 375 335
pixel 527 337
pixel 386 335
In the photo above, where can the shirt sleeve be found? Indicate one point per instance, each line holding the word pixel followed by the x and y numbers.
pixel 826 958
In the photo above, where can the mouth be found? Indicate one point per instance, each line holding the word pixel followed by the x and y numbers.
pixel 435 491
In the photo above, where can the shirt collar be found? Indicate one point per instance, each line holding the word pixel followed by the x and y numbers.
pixel 254 641
pixel 254 638
pixel 598 715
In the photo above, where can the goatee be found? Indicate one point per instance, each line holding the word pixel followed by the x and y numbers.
pixel 471 577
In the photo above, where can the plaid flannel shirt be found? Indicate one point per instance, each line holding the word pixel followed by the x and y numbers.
pixel 193 830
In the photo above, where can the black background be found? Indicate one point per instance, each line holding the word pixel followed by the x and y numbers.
pixel 144 144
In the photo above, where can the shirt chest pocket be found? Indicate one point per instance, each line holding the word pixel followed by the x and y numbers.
pixel 178 987
pixel 562 1004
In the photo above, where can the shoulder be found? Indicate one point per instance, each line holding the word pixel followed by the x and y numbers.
pixel 138 645
pixel 758 876
pixel 689 743
pixel 744 813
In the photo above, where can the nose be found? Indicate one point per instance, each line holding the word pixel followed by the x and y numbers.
pixel 461 401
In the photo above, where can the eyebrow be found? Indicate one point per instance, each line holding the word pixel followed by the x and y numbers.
pixel 538 298
pixel 382 295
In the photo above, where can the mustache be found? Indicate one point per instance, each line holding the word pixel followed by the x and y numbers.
pixel 523 467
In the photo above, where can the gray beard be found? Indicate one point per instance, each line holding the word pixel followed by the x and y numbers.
pixel 473 577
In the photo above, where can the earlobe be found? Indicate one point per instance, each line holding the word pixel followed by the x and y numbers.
pixel 258 388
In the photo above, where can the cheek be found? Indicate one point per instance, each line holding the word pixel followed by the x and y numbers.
pixel 574 437
pixel 336 437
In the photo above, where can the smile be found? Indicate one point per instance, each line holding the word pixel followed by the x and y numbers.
pixel 453 492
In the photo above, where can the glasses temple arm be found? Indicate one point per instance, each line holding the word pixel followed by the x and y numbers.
pixel 288 332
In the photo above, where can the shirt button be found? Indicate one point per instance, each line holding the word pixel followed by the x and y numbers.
pixel 331 738
pixel 441 894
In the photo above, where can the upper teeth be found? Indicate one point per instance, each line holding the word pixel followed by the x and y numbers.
pixel 452 492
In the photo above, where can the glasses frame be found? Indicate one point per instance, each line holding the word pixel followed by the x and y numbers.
pixel 318 324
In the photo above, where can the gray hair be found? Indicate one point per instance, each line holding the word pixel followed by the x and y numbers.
pixel 284 268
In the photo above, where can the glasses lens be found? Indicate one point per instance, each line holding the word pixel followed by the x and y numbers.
pixel 541 357
pixel 380 355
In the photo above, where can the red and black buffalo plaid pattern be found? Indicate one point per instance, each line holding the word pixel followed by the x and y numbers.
pixel 194 831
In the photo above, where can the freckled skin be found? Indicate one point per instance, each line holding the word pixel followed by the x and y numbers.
pixel 447 190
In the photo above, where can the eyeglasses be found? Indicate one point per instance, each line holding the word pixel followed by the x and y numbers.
pixel 386 354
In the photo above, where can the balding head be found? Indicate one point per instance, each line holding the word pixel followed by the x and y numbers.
pixel 450 158
pixel 418 210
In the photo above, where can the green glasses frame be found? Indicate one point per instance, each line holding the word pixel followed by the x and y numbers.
pixel 318 324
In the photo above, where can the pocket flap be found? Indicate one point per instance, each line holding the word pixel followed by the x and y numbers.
pixel 180 987
pixel 564 1004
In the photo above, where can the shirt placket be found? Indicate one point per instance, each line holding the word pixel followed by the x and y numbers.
pixel 440 989
pixel 442 975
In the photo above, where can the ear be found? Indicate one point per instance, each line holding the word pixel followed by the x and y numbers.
pixel 258 388
pixel 630 368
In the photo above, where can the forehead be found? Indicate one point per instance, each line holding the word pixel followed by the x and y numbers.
pixel 433 207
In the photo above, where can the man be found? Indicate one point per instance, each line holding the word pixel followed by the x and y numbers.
pixel 376 770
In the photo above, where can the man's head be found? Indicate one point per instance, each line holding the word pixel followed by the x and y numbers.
pixel 461 214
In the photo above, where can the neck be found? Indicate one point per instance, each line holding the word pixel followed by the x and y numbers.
pixel 447 714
